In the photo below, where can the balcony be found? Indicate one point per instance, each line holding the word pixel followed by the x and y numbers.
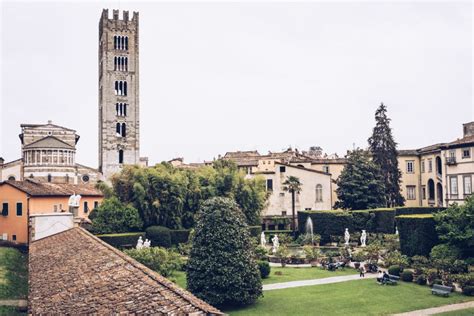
pixel 451 161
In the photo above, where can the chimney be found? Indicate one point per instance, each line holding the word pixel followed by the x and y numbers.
pixel 468 129
pixel 50 122
pixel 1 161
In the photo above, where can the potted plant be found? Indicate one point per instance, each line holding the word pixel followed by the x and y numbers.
pixel 283 254
pixel 312 254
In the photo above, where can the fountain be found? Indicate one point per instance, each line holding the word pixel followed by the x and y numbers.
pixel 309 229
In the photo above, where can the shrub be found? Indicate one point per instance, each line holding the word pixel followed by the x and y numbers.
pixel 283 254
pixel 184 249
pixel 395 258
pixel 122 240
pixel 407 276
pixel 421 279
pixel 326 223
pixel 255 231
pixel 112 216
pixel 468 290
pixel 394 270
pixel 431 275
pixel 160 236
pixel 444 251
pixel 417 210
pixel 359 256
pixel 264 267
pixel 311 253
pixel 179 236
pixel 417 234
pixel 466 282
pixel 222 267
pixel 419 263
pixel 260 252
pixel 285 239
pixel 158 259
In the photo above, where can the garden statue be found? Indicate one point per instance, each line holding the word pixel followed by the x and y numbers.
pixel 347 237
pixel 396 230
pixel 263 241
pixel 147 243
pixel 139 243
pixel 276 244
pixel 363 238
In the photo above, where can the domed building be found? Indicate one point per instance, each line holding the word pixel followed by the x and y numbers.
pixel 48 154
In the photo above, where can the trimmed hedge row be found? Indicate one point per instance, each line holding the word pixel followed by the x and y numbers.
pixel 255 231
pixel 164 237
pixel 417 210
pixel 327 223
pixel 417 234
pixel 125 240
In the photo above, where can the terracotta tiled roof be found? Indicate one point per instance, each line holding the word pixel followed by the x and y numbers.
pixel 49 142
pixel 408 152
pixel 76 273
pixel 461 141
pixel 241 154
pixel 37 188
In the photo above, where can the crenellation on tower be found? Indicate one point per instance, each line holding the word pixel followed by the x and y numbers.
pixel 118 92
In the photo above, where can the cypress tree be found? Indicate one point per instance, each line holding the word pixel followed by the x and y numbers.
pixel 384 154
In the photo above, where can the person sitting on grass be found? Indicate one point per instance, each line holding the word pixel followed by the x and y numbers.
pixel 380 276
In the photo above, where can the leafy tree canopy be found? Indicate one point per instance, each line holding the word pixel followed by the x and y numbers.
pixel 359 185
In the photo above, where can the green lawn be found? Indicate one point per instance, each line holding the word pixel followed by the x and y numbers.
pixel 462 312
pixel 288 274
pixel 13 274
pixel 10 311
pixel 364 297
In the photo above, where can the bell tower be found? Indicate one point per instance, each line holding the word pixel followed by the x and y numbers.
pixel 119 123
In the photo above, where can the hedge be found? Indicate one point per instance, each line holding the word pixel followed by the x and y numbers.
pixel 124 240
pixel 255 231
pixel 159 235
pixel 417 210
pixel 417 234
pixel 179 236
pixel 327 223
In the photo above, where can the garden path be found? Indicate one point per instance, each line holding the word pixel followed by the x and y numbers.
pixel 17 303
pixel 344 278
pixel 437 310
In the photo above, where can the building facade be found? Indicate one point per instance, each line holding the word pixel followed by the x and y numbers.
pixel 48 153
pixel 119 122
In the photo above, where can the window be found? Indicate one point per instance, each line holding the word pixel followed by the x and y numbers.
pixel 411 192
pixel 467 185
pixel 423 192
pixel 121 63
pixel 120 109
pixel 120 129
pixel 96 204
pixel 121 88
pixel 120 156
pixel 55 208
pixel 466 153
pixel 430 165
pixel 269 185
pixel 49 177
pixel 11 178
pixel 14 237
pixel 86 207
pixel 410 166
pixel 326 169
pixel 422 165
pixel 5 209
pixel 19 209
pixel 319 193
pixel 124 130
pixel 283 213
pixel 453 182
pixel 282 169
pixel 120 42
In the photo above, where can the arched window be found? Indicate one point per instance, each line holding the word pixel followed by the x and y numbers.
pixel 120 156
pixel 116 108
pixel 115 42
pixel 125 88
pixel 126 43
pixel 319 193
pixel 124 130
pixel 123 43
pixel 124 109
pixel 49 178
pixel 11 178
pixel 117 129
pixel 126 63
pixel 120 87
pixel 116 87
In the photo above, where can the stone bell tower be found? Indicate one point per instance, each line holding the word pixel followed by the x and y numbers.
pixel 119 124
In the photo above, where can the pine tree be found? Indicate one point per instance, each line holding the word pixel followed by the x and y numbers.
pixel 384 154
pixel 359 185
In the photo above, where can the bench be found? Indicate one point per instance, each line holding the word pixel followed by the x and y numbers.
pixel 392 280
pixel 441 290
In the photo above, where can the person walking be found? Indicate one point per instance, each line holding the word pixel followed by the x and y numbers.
pixel 361 272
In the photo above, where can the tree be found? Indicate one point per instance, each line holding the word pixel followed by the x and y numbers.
pixel 293 185
pixel 384 154
pixel 112 216
pixel 359 185
pixel 222 267
pixel 455 226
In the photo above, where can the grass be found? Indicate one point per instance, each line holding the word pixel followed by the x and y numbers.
pixel 362 297
pixel 10 311
pixel 13 274
pixel 288 274
pixel 461 312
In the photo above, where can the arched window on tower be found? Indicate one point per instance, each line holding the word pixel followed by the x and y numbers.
pixel 126 63
pixel 124 130
pixel 124 88
pixel 116 109
pixel 118 129
pixel 121 88
pixel 120 156
pixel 124 109
pixel 319 193
pixel 123 43
pixel 116 87
pixel 115 42
pixel 126 43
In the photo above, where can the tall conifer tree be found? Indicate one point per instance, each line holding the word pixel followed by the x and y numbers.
pixel 384 154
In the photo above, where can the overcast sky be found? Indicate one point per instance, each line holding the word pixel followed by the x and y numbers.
pixel 217 77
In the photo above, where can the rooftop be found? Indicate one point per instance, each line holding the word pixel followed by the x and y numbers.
pixel 74 272
pixel 38 188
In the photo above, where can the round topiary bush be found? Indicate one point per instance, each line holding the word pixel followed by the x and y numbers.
pixel 221 269
pixel 421 279
pixel 468 290
pixel 264 267
pixel 394 270
pixel 160 236
pixel 407 276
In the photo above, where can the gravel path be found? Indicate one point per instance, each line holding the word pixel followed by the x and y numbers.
pixel 17 303
pixel 438 310
pixel 344 278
